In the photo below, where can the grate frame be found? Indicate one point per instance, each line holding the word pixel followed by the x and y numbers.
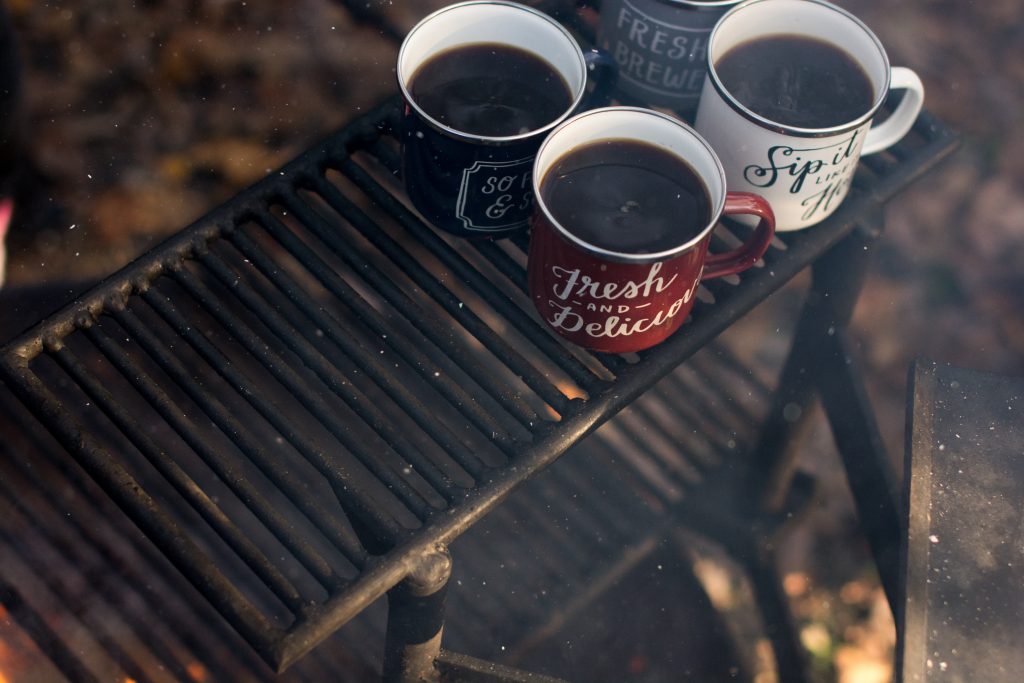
pixel 459 308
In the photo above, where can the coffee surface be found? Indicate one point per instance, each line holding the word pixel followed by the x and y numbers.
pixel 490 89
pixel 626 196
pixel 797 81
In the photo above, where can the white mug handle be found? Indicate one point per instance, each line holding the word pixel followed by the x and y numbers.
pixel 892 130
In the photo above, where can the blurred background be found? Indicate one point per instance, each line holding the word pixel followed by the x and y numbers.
pixel 142 115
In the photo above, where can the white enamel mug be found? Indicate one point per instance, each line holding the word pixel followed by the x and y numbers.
pixel 804 173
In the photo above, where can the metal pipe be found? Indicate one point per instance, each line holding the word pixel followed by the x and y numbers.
pixel 416 620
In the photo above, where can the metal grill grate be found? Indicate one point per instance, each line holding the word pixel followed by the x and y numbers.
pixel 302 392
pixel 85 589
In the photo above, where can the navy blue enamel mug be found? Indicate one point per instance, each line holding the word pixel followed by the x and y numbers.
pixel 484 82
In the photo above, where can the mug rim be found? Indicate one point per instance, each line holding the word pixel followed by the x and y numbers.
pixel 626 257
pixel 702 4
pixel 798 131
pixel 493 139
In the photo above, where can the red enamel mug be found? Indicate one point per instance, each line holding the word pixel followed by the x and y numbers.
pixel 629 300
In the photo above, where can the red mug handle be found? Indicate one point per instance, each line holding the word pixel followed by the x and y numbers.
pixel 747 254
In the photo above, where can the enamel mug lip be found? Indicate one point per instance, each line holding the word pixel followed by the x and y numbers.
pixel 695 5
pixel 403 76
pixel 718 202
pixel 881 92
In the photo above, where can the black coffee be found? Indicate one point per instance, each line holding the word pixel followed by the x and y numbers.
pixel 626 196
pixel 490 89
pixel 797 81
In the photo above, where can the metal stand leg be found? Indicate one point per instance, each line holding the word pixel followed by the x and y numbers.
pixel 750 540
pixel 416 620
pixel 869 471
pixel 820 363
pixel 838 277
pixel 790 657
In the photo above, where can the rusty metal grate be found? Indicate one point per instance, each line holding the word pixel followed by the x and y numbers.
pixel 88 576
pixel 87 598
pixel 298 395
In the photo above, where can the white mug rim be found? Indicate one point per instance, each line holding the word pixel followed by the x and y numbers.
pixel 462 135
pixel 798 131
pixel 718 205
pixel 698 5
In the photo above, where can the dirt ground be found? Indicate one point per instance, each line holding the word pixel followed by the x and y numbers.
pixel 144 115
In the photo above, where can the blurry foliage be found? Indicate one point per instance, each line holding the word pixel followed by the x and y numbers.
pixel 143 115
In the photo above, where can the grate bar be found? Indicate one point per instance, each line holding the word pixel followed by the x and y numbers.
pixel 681 397
pixel 439 375
pixel 48 641
pixel 246 491
pixel 429 283
pixel 325 521
pixel 138 579
pixel 342 387
pixel 97 573
pixel 427 322
pixel 517 274
pixel 616 364
pixel 367 362
pixel 549 567
pixel 578 520
pixel 98 581
pixel 678 429
pixel 722 397
pixel 571 477
pixel 175 475
pixel 639 431
pixel 636 477
pixel 576 555
pixel 332 468
pixel 437 368
pixel 147 514
pixel 505 264
pixel 521 240
pixel 526 324
pixel 728 360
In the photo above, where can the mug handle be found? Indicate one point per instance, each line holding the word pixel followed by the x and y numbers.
pixel 603 72
pixel 747 254
pixel 890 131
